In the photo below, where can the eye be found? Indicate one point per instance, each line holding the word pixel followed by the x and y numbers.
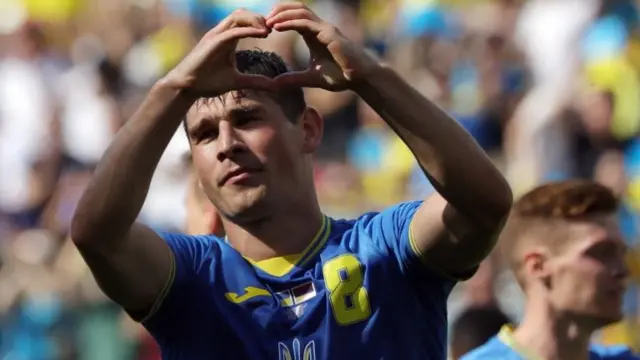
pixel 205 135
pixel 243 121
pixel 606 251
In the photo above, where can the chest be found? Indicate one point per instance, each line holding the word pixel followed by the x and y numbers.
pixel 341 305
pixel 338 299
pixel 337 291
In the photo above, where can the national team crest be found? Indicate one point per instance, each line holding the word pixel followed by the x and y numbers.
pixel 294 353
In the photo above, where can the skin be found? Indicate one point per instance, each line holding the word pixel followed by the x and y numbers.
pixel 251 135
pixel 574 291
pixel 274 193
pixel 202 216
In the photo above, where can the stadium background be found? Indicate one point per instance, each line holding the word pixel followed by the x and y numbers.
pixel 72 71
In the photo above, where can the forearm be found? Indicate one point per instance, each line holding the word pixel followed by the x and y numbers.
pixel 458 168
pixel 118 188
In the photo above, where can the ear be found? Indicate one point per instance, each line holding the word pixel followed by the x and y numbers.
pixel 312 125
pixel 537 266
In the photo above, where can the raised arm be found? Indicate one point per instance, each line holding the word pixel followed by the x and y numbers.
pixel 454 229
pixel 131 263
pixel 457 227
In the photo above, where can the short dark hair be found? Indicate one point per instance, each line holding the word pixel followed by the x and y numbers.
pixel 474 327
pixel 270 64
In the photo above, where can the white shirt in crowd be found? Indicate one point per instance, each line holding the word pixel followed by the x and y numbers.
pixel 87 116
pixel 25 118
pixel 164 207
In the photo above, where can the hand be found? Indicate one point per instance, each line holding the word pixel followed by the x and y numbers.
pixel 210 69
pixel 336 62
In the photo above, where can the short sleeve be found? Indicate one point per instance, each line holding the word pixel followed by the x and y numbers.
pixel 175 304
pixel 389 231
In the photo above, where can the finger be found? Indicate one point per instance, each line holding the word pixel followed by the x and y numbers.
pixel 241 33
pixel 299 25
pixel 248 18
pixel 306 78
pixel 254 82
pixel 290 15
pixel 242 18
pixel 283 6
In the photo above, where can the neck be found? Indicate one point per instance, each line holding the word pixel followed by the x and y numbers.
pixel 552 336
pixel 286 232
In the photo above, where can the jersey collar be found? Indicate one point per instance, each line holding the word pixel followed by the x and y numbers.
pixel 282 265
pixel 506 337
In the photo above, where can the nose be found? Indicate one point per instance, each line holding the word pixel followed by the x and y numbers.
pixel 621 269
pixel 228 142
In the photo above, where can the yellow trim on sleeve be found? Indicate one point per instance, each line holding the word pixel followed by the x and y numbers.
pixel 418 253
pixel 165 290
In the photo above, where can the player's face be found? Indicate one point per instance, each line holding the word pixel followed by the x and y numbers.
pixel 250 158
pixel 588 277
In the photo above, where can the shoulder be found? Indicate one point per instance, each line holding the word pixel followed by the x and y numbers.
pixel 190 275
pixel 492 349
pixel 403 208
pixel 386 235
pixel 614 352
pixel 391 217
pixel 192 248
pixel 191 241
pixel 388 224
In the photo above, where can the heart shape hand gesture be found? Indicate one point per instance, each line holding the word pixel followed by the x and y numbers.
pixel 209 69
pixel 336 62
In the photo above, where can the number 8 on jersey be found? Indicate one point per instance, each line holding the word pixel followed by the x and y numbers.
pixel 344 279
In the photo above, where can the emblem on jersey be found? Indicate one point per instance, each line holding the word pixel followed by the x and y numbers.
pixel 250 292
pixel 295 298
pixel 293 353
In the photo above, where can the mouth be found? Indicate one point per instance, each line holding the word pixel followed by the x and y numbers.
pixel 238 175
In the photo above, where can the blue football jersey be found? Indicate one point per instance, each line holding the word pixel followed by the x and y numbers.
pixel 359 291
pixel 504 347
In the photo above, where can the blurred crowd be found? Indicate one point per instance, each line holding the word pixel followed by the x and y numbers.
pixel 549 88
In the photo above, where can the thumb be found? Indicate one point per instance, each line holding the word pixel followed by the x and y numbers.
pixel 255 82
pixel 306 78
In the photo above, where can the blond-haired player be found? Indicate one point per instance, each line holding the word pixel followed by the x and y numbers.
pixel 564 246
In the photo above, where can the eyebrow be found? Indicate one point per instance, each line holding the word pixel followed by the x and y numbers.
pixel 244 110
pixel 239 111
